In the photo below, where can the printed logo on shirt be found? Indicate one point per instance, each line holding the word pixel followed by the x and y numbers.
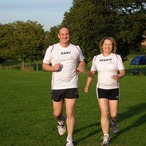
pixel 106 59
pixel 64 53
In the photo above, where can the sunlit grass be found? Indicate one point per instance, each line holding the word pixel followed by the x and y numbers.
pixel 26 112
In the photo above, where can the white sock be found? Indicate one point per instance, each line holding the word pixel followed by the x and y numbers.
pixel 69 138
pixel 60 122
pixel 106 135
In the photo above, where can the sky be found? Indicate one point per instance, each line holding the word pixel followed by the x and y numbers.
pixel 48 13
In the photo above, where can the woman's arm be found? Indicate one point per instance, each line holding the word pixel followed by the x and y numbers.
pixel 119 75
pixel 89 80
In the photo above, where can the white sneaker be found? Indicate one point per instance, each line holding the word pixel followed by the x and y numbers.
pixel 69 142
pixel 62 128
pixel 106 140
pixel 114 127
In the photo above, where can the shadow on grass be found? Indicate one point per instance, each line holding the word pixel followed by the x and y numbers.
pixel 132 111
pixel 89 134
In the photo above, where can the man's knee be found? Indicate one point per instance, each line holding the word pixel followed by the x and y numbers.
pixel 57 114
pixel 69 113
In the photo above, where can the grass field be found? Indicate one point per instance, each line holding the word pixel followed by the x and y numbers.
pixel 26 112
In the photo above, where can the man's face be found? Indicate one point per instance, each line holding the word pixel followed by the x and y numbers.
pixel 64 35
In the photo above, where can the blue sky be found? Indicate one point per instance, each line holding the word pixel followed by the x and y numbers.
pixel 48 13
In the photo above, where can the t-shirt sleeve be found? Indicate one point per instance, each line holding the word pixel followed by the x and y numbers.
pixel 120 63
pixel 47 57
pixel 81 57
pixel 93 67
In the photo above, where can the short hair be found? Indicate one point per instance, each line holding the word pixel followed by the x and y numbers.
pixel 114 44
pixel 62 27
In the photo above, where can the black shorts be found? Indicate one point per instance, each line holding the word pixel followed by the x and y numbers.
pixel 111 94
pixel 58 95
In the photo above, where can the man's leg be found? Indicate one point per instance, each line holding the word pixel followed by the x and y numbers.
pixel 70 103
pixel 57 109
pixel 57 106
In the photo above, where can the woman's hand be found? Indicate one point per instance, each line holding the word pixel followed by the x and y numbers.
pixel 86 89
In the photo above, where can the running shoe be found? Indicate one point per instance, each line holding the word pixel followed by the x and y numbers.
pixel 106 140
pixel 61 128
pixel 69 142
pixel 114 127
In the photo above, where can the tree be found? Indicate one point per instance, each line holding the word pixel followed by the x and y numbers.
pixel 80 20
pixel 53 35
pixel 29 40
pixel 22 40
pixel 6 51
pixel 91 20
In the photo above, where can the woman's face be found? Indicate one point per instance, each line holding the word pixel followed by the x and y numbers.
pixel 107 46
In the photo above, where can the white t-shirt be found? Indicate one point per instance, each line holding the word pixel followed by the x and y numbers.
pixel 68 58
pixel 106 68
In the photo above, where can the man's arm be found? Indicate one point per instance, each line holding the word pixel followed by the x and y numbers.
pixel 81 67
pixel 49 68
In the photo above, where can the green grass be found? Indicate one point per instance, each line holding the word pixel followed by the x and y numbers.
pixel 26 112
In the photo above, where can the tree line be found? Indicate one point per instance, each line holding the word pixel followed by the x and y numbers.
pixel 21 41
pixel 88 20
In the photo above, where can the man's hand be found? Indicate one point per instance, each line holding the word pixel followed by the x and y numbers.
pixel 81 69
pixel 56 67
pixel 115 77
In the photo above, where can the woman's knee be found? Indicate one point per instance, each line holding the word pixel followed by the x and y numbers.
pixel 114 117
pixel 104 113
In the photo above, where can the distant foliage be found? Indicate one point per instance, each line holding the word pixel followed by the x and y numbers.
pixel 91 20
pixel 21 40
